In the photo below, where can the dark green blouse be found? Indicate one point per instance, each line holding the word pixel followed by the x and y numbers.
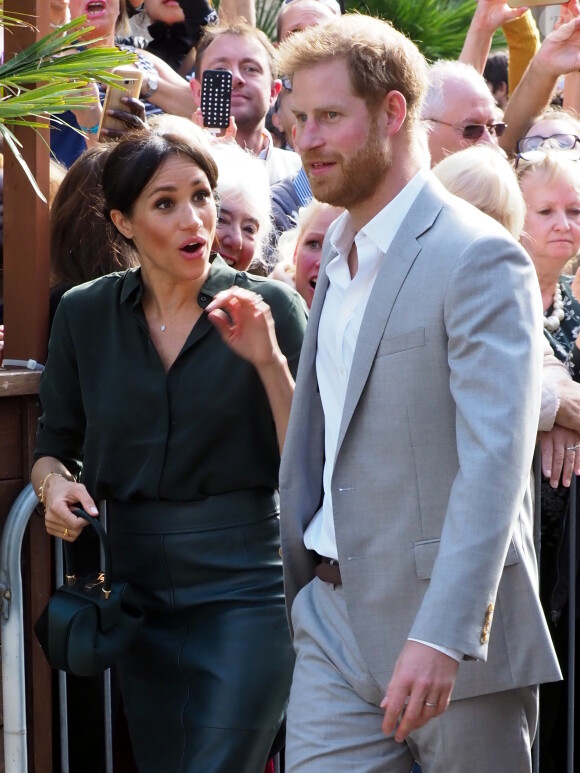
pixel 131 431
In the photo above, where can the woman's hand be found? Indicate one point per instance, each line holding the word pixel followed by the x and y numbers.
pixel 245 323
pixel 133 118
pixel 60 494
pixel 560 448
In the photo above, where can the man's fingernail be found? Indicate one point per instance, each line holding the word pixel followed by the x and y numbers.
pixel 93 510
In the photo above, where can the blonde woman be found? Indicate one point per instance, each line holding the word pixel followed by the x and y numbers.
pixel 300 249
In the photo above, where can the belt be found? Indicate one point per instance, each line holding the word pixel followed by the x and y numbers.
pixel 218 511
pixel 328 570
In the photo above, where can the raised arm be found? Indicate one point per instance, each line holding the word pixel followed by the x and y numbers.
pixel 489 16
pixel 523 41
pixel 173 94
pixel 559 54
pixel 234 10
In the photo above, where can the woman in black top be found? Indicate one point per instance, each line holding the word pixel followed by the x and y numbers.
pixel 166 393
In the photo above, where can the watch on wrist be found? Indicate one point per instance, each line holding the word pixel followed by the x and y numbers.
pixel 152 86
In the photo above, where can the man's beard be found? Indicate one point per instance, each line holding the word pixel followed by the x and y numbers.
pixel 358 177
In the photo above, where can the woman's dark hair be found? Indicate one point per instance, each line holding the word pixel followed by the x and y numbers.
pixel 135 160
pixel 83 244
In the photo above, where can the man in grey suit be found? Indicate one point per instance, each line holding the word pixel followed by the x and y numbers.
pixel 406 515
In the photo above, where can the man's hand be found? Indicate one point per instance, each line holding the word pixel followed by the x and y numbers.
pixel 419 690
pixel 560 456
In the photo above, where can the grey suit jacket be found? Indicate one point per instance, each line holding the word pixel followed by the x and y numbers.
pixel 431 483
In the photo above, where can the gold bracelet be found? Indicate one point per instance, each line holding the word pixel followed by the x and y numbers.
pixel 41 492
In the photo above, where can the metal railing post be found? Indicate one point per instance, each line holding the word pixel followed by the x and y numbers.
pixel 571 627
pixel 12 629
pixel 537 545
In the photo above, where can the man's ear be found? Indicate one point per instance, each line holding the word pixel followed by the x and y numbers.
pixel 275 89
pixel 393 112
pixel 122 223
pixel 195 86
pixel 501 92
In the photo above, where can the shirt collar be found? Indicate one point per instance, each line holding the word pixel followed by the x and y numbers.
pixel 382 228
pixel 267 145
pixel 221 277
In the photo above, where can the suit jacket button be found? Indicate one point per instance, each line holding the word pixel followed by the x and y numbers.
pixel 280 552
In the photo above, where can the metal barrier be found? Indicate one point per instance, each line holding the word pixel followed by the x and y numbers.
pixel 571 675
pixel 12 632
pixel 12 628
pixel 13 661
pixel 572 625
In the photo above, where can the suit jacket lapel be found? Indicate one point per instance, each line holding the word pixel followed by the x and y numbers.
pixel 398 261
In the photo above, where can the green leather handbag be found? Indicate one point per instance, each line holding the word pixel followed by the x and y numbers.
pixel 90 621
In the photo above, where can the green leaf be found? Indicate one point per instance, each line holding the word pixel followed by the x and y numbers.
pixel 51 76
pixel 438 27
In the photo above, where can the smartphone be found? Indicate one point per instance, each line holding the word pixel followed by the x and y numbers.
pixel 216 97
pixel 532 3
pixel 128 86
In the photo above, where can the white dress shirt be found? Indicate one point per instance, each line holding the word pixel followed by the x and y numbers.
pixel 344 307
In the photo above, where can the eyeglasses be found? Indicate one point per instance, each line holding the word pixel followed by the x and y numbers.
pixel 474 131
pixel 537 155
pixel 557 141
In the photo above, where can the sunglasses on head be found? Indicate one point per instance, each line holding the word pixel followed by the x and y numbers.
pixel 556 141
pixel 474 131
pixel 334 5
pixel 537 155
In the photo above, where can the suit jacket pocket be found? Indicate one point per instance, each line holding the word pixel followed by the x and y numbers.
pixel 426 552
pixel 402 342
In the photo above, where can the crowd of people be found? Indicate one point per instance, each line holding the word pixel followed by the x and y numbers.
pixel 304 364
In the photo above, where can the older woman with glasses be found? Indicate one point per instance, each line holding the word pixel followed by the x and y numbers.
pixel 554 128
pixel 550 182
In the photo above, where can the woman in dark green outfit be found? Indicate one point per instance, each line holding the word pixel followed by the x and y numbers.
pixel 166 392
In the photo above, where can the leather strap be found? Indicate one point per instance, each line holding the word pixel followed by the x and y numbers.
pixel 328 570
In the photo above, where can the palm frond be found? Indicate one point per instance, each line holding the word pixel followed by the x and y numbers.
pixel 50 77
pixel 267 16
pixel 15 146
pixel 438 27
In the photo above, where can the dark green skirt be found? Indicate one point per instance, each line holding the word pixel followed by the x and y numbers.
pixel 206 684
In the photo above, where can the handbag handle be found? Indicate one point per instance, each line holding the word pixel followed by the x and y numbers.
pixel 105 547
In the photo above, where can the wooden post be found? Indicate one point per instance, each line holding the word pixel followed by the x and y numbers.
pixel 26 286
pixel 26 219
